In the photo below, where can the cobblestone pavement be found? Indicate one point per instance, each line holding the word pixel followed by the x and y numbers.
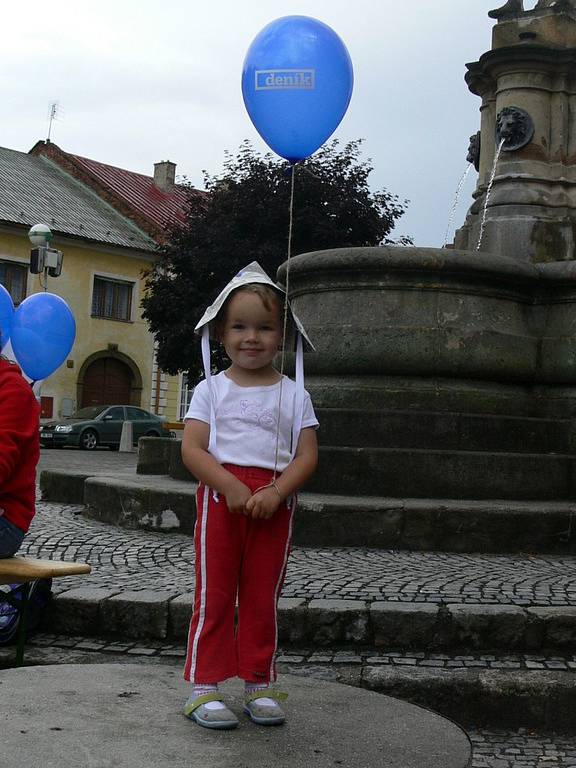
pixel 74 458
pixel 329 660
pixel 521 749
pixel 148 560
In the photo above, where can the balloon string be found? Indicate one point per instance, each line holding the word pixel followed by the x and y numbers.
pixel 285 326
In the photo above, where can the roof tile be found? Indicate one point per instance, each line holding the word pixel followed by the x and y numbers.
pixel 139 191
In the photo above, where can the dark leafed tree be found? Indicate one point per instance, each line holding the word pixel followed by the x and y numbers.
pixel 244 217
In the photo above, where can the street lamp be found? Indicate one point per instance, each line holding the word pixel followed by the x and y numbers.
pixel 42 257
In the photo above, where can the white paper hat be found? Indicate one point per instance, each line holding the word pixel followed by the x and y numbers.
pixel 253 273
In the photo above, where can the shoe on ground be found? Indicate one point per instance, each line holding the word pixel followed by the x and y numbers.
pixel 220 719
pixel 265 713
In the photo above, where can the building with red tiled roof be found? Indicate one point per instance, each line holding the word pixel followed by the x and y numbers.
pixel 107 222
pixel 153 203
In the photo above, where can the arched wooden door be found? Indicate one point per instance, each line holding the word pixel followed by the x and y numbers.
pixel 107 381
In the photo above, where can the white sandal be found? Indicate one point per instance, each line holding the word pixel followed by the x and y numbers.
pixel 221 718
pixel 265 714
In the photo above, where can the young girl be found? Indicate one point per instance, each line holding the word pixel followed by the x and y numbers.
pixel 250 440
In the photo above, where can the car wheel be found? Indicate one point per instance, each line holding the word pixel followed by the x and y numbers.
pixel 88 440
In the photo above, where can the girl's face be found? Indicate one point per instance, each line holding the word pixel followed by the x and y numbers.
pixel 252 333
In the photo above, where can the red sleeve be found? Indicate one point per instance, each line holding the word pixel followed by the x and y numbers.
pixel 18 422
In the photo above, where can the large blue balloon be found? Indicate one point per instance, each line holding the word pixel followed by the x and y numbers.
pixel 6 316
pixel 297 82
pixel 43 332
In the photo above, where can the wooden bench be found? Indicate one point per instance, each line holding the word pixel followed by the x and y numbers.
pixel 25 571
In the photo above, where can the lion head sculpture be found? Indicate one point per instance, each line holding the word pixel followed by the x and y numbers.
pixel 514 128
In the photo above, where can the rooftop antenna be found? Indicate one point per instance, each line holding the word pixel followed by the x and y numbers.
pixel 54 112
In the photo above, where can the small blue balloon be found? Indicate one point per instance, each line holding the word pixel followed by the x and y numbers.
pixel 6 316
pixel 297 82
pixel 43 332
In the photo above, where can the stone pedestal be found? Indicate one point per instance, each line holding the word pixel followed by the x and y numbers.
pixel 128 716
pixel 531 213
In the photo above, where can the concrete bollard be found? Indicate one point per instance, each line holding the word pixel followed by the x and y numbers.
pixel 126 437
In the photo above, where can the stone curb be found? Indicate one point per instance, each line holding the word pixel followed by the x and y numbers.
pixel 327 623
pixel 160 503
pixel 506 699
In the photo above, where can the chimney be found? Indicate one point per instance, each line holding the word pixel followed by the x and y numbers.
pixel 165 175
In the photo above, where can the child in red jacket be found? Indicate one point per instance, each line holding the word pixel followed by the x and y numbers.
pixel 19 454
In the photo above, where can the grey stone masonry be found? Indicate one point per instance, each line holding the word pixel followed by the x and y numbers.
pixel 81 608
pixel 404 625
pixel 137 614
pixel 337 621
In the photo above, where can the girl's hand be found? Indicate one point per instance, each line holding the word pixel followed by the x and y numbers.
pixel 237 497
pixel 263 504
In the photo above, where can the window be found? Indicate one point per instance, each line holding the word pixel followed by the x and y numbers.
pixel 112 299
pixel 135 414
pixel 185 396
pixel 13 277
pixel 114 413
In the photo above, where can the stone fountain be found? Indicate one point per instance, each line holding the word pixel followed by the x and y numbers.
pixel 451 373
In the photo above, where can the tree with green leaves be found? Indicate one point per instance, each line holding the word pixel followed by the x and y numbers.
pixel 244 216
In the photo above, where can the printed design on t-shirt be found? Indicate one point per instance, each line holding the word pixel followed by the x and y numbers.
pixel 255 415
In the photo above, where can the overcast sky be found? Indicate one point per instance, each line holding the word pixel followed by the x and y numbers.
pixel 140 81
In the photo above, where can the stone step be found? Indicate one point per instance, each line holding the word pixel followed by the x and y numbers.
pixel 444 474
pixel 444 431
pixel 411 473
pixel 152 502
pixel 500 698
pixel 146 614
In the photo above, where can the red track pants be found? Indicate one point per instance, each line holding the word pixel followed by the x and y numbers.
pixel 237 558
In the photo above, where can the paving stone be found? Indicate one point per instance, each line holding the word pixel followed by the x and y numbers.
pixel 391 627
pixel 292 620
pixel 335 621
pixel 180 613
pixel 78 608
pixel 137 614
pixel 343 657
pixel 559 625
pixel 488 626
pixel 89 645
pixel 141 652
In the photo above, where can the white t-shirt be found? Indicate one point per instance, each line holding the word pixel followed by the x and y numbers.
pixel 246 420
